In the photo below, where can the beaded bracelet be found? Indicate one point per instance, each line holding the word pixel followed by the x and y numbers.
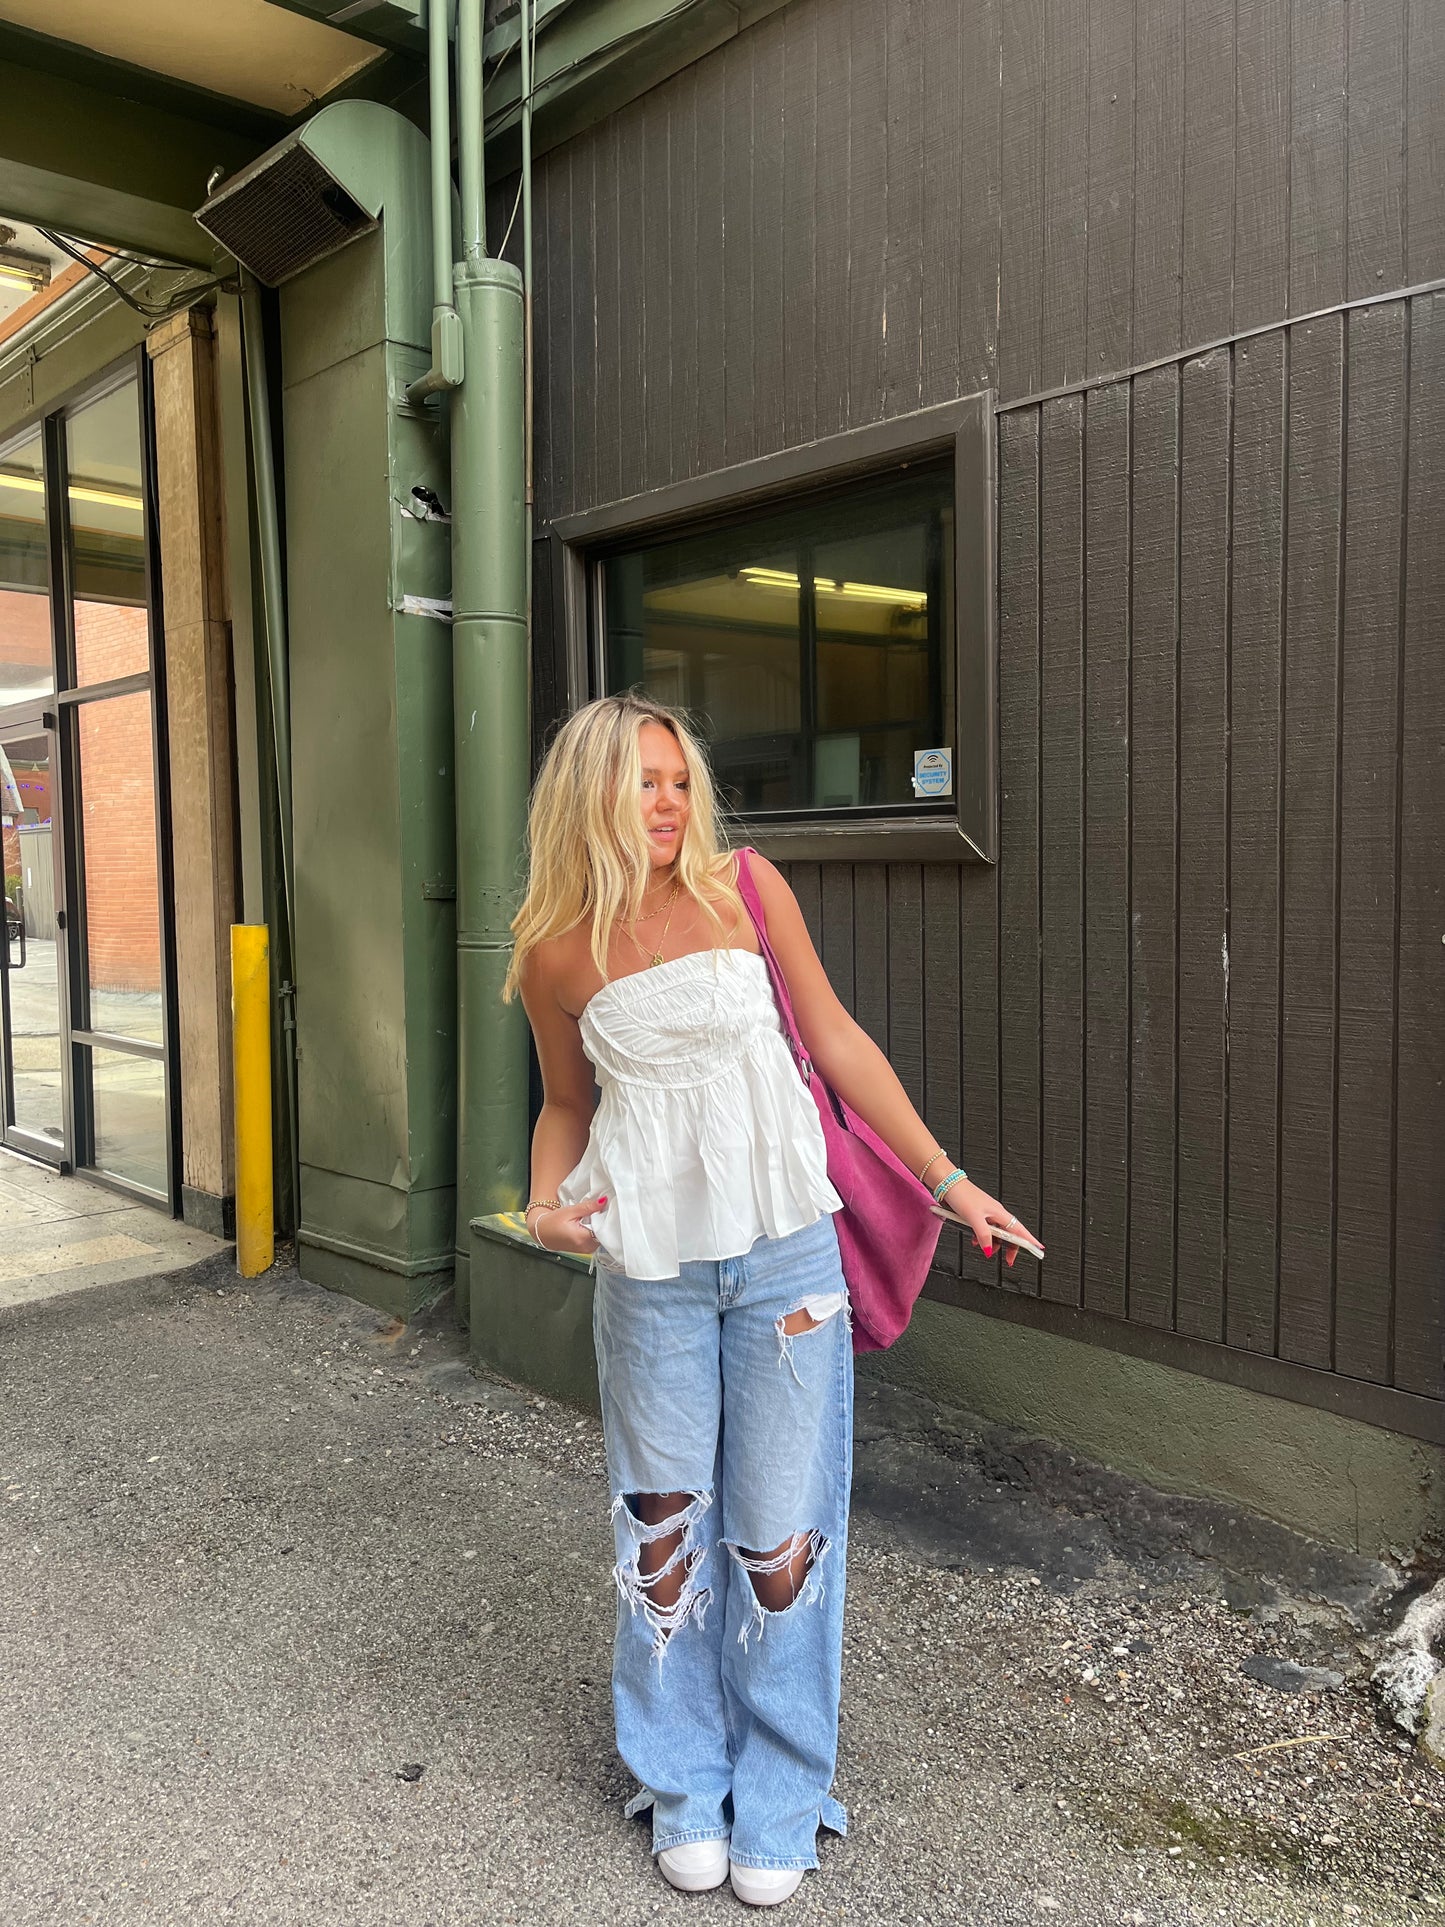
pixel 939 1153
pixel 953 1177
pixel 542 1204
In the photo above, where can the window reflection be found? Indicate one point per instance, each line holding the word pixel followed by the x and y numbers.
pixel 813 645
pixel 26 664
pixel 107 536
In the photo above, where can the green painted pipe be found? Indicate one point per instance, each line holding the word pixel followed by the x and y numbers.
pixel 489 689
pixel 448 359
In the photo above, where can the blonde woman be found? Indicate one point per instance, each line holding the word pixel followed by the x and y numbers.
pixel 699 1184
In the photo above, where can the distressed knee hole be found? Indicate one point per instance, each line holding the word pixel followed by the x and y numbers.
pixel 780 1579
pixel 659 1579
pixel 811 1315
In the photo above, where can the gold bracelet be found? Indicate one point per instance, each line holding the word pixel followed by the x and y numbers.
pixel 939 1153
pixel 541 1204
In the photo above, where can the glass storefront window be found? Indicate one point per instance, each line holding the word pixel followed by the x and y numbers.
pixel 118 859
pixel 128 1112
pixel 105 502
pixel 813 645
pixel 27 670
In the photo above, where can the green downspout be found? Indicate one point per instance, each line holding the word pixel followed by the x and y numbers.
pixel 447 355
pixel 489 682
pixel 268 543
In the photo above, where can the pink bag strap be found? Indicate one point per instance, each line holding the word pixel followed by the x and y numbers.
pixel 749 892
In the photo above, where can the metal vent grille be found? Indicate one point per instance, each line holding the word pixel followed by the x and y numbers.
pixel 282 215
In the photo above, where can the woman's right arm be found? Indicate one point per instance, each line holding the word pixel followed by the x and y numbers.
pixel 566 1116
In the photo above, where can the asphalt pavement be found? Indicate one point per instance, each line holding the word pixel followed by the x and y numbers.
pixel 304 1623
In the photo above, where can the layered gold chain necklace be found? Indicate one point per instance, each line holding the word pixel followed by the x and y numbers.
pixel 657 957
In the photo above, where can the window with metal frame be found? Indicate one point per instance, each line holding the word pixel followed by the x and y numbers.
pixel 812 643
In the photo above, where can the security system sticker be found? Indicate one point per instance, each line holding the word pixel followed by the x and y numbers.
pixel 933 772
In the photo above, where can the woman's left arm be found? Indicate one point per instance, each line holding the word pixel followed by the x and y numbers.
pixel 857 1070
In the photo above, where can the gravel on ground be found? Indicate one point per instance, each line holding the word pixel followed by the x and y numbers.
pixel 303 1622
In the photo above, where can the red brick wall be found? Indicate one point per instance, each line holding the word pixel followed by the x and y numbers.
pixel 24 629
pixel 118 801
pixel 110 640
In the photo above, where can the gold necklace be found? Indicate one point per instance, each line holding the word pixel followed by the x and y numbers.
pixel 657 956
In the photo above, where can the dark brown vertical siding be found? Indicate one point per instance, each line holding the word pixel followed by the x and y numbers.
pixel 1155 280
pixel 1207 267
pixel 1021 199
pixel 1309 920
pixel 1192 1026
pixel 1369 789
pixel 1066 193
pixel 1061 841
pixel 1420 955
pixel 685 346
pixel 1317 155
pixel 1105 819
pixel 1258 528
pixel 1374 152
pixel 1206 471
pixel 801 190
pixel 901 29
pixel 739 252
pixel 769 358
pixel 1020 921
pixel 1112 65
pixel 1153 834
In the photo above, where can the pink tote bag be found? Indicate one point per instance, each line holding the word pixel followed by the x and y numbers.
pixel 887 1229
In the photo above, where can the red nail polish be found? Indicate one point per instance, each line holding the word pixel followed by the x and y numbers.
pixel 988 1251
pixel 602 1200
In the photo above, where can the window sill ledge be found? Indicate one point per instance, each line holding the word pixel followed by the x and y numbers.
pixel 899 839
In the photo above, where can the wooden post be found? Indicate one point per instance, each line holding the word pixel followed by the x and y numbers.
pixel 197 652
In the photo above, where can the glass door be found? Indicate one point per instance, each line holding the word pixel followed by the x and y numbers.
pixel 119 1017
pixel 34 1087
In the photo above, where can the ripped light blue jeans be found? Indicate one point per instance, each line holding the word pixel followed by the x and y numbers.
pixel 727 1710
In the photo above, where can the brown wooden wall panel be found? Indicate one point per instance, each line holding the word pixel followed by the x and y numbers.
pixel 1206 472
pixel 1370 689
pixel 741 247
pixel 769 346
pixel 942 1041
pixel 685 342
pixel 905 977
pixel 1207 267
pixel 1019 922
pixel 837 922
pixel 1021 199
pixel 1317 155
pixel 1420 963
pixel 901 29
pixel 1061 842
pixel 1424 132
pixel 1104 879
pixel 1256 641
pixel 1374 153
pixel 801 190
pixel 1262 237
pixel 1309 920
pixel 1155 278
pixel 1190 1027
pixel 1111 68
pixel 1153 833
pixel 1066 193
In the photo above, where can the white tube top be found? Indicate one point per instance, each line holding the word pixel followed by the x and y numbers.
pixel 705 1138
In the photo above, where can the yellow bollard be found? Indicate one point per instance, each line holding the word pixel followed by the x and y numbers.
pixel 251 1047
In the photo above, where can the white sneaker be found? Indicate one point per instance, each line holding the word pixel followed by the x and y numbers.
pixel 695 1866
pixel 765 1886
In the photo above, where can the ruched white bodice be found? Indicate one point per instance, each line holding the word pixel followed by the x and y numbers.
pixel 705 1137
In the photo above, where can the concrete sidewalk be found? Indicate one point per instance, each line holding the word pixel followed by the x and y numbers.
pixel 302 1623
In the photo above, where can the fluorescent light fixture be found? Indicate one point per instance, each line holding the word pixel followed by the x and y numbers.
pixel 23 271
pixel 914 599
pixel 107 497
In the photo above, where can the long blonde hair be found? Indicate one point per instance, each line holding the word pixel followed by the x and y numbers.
pixel 587 850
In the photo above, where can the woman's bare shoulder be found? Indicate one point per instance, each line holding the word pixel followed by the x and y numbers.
pixel 561 967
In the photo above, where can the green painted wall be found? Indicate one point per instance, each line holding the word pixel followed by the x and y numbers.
pixel 1338 1480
